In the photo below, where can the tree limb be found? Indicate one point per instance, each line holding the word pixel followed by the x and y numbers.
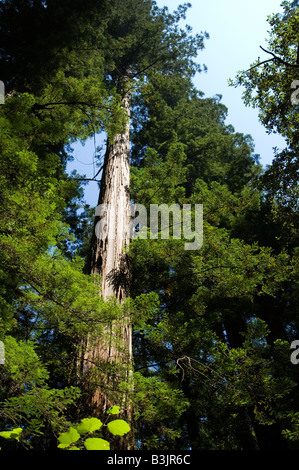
pixel 85 179
pixel 277 59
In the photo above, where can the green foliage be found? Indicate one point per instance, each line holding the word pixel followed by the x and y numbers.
pixel 25 396
pixel 68 438
pixel 213 333
pixel 211 327
pixel 118 427
pixel 76 435
pixel 95 443
pixel 268 87
pixel 174 113
pixel 13 434
pixel 91 427
pixel 158 407
pixel 114 410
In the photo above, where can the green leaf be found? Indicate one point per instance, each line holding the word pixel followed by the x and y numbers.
pixel 89 425
pixel 95 443
pixel 14 434
pixel 118 427
pixel 67 438
pixel 114 410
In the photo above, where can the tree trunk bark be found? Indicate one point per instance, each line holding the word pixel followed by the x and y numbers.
pixel 112 352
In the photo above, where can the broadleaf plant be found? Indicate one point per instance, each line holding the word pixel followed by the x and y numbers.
pixel 118 427
pixel 72 439
pixel 92 427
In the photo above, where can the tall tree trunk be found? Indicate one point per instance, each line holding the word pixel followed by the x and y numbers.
pixel 112 352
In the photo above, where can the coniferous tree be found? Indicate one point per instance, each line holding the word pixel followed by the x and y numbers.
pixel 219 302
pixel 271 86
pixel 145 38
pixel 210 328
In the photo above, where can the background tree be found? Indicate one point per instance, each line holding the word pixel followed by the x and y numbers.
pixel 211 327
pixel 44 113
pixel 79 88
pixel 270 85
pixel 144 38
pixel 227 302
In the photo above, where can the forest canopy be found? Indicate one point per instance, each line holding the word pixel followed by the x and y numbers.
pixel 142 344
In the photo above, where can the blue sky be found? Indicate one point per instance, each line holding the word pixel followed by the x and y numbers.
pixel 237 29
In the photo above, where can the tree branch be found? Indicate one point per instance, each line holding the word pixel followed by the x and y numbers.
pixel 85 179
pixel 260 63
pixel 68 103
pixel 277 59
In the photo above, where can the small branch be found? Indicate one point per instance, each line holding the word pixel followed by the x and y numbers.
pixel 93 179
pixel 281 61
pixel 85 179
pixel 277 59
pixel 67 103
pixel 139 72
pixel 260 63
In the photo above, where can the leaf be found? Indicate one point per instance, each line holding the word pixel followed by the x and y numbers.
pixel 114 410
pixel 95 443
pixel 14 434
pixel 89 425
pixel 118 427
pixel 67 438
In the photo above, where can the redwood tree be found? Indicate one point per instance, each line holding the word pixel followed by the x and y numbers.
pixel 143 38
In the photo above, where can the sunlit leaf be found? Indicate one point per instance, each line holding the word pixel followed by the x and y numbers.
pixel 89 425
pixel 68 438
pixel 14 434
pixel 114 410
pixel 94 443
pixel 118 427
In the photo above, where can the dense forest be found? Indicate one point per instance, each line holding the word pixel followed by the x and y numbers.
pixel 112 337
